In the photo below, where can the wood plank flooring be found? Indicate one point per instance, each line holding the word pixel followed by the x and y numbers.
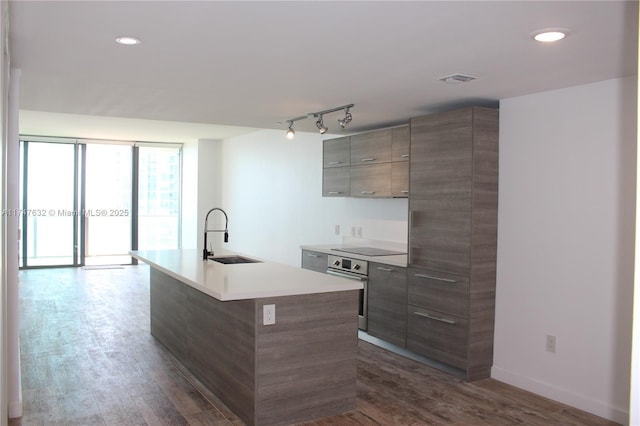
pixel 88 359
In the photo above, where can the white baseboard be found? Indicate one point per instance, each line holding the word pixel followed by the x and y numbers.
pixel 15 409
pixel 548 390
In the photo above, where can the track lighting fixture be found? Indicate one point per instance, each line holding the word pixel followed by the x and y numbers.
pixel 343 122
pixel 290 132
pixel 320 125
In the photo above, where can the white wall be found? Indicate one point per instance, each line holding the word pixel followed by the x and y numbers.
pixel 565 244
pixel 272 190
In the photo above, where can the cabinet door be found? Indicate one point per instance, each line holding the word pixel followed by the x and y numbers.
pixel 387 298
pixel 400 179
pixel 371 181
pixel 438 291
pixel 336 152
pixel 371 147
pixel 336 182
pixel 314 261
pixel 400 142
pixel 436 335
pixel 441 183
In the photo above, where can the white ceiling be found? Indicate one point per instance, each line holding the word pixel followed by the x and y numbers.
pixel 254 64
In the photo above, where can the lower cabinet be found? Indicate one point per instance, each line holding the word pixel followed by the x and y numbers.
pixel 437 335
pixel 314 261
pixel 387 302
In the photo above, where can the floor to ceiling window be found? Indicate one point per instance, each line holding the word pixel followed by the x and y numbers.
pixel 90 202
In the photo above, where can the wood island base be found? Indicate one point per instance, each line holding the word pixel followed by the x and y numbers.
pixel 301 368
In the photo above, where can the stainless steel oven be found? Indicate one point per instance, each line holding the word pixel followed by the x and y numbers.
pixel 353 269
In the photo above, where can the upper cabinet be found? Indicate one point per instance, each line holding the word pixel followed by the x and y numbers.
pixel 371 147
pixel 336 152
pixel 400 143
pixel 367 165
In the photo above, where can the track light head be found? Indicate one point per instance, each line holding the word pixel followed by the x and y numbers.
pixel 344 121
pixel 320 125
pixel 290 132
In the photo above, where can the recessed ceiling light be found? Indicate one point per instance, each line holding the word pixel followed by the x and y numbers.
pixel 549 35
pixel 127 40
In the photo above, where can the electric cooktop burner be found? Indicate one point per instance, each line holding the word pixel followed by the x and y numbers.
pixel 368 251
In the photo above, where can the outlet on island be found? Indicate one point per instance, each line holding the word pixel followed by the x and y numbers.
pixel 268 314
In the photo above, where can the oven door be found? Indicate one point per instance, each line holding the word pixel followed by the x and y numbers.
pixel 362 313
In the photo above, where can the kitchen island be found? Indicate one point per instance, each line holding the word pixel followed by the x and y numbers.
pixel 210 316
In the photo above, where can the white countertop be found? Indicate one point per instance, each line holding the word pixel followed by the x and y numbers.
pixel 241 281
pixel 394 260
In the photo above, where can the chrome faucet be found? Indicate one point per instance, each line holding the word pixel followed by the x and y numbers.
pixel 206 253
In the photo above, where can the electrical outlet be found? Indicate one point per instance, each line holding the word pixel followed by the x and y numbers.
pixel 359 232
pixel 337 230
pixel 268 314
pixel 551 343
pixel 353 231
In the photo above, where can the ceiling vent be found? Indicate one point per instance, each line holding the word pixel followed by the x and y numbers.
pixel 457 78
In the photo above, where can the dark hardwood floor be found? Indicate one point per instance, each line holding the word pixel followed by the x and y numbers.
pixel 88 359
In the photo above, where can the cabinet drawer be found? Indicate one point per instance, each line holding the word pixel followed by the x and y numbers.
pixel 314 261
pixel 371 147
pixel 336 182
pixel 371 181
pixel 441 292
pixel 436 335
pixel 336 152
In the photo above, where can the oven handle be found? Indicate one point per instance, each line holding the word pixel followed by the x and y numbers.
pixel 343 275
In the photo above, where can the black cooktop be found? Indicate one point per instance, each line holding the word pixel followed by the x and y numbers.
pixel 368 251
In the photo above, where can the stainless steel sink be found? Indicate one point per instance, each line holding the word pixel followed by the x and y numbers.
pixel 232 260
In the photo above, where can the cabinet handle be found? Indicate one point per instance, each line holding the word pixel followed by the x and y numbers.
pixel 385 269
pixel 405 156
pixel 367 192
pixel 368 159
pixel 334 192
pixel 446 280
pixel 312 255
pixel 409 256
pixel 405 191
pixel 333 163
pixel 444 320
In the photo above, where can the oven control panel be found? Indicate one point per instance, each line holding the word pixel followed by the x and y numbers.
pixel 348 265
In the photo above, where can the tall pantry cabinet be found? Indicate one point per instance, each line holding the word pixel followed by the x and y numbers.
pixel 453 208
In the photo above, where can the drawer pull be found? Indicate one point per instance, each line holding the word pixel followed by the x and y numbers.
pixel 429 277
pixel 444 320
pixel 334 192
pixel 368 159
pixel 385 269
pixel 333 163
pixel 405 191
pixel 367 192
pixel 312 255
pixel 405 156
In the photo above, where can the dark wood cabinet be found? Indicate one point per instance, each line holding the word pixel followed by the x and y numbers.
pixel 336 182
pixel 371 181
pixel 453 207
pixel 314 261
pixel 336 152
pixel 400 142
pixel 367 165
pixel 371 147
pixel 387 302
